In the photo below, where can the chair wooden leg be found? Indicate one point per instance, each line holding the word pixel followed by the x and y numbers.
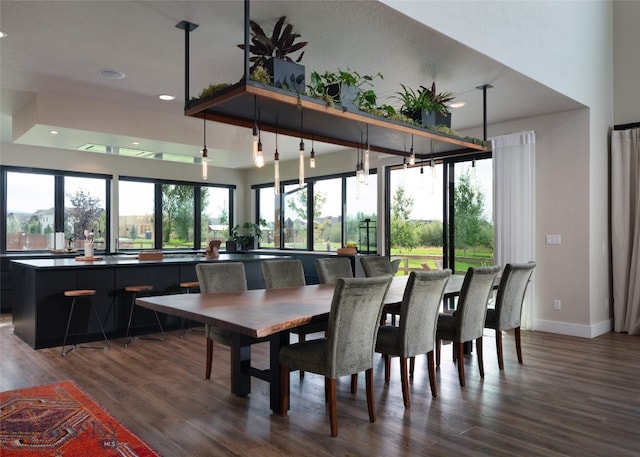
pixel 499 349
pixel 387 368
pixel 459 348
pixel 412 365
pixel 302 338
pixel 207 371
pixel 404 378
pixel 518 343
pixel 354 383
pixel 370 404
pixel 333 413
pixel 438 346
pixel 480 359
pixel 432 374
pixel 284 390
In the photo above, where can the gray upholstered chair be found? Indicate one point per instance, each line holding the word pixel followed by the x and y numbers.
pixel 220 277
pixel 331 268
pixel 348 345
pixel 281 274
pixel 508 309
pixel 416 333
pixel 376 265
pixel 379 265
pixel 467 323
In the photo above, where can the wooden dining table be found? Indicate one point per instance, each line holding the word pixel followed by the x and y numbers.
pixel 261 313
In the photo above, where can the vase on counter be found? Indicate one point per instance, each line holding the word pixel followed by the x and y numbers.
pixel 212 251
pixel 88 250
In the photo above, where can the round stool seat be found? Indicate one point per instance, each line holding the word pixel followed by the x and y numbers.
pixel 143 288
pixel 79 293
pixel 189 284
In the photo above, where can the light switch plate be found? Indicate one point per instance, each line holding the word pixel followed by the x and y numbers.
pixel 552 239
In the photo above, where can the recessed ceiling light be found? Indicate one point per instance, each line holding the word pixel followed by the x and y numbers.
pixel 53 132
pixel 166 97
pixel 135 142
pixel 457 105
pixel 2 34
pixel 111 74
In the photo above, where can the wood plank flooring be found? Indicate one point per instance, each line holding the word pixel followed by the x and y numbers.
pixel 571 397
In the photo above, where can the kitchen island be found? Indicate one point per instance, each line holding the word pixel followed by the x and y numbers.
pixel 40 310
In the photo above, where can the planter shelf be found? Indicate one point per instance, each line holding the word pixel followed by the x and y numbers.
pixel 336 125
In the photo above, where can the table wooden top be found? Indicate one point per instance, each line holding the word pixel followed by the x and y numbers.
pixel 263 312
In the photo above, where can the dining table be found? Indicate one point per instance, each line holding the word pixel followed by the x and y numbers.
pixel 265 313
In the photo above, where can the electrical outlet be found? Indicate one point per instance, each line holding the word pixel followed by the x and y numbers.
pixel 557 304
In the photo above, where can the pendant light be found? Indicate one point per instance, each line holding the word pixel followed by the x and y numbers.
pixel 433 172
pixel 474 175
pixel 366 158
pixel 205 155
pixel 301 159
pixel 276 167
pixel 412 155
pixel 258 160
pixel 256 138
pixel 312 160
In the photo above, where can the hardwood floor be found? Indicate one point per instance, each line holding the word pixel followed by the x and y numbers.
pixel 572 397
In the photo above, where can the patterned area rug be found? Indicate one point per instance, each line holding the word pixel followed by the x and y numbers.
pixel 61 420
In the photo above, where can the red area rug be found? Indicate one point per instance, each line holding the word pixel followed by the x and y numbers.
pixel 61 420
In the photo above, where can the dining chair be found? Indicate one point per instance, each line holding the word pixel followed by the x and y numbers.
pixel 467 322
pixel 281 274
pixel 508 309
pixel 217 278
pixel 379 265
pixel 331 268
pixel 347 347
pixel 416 333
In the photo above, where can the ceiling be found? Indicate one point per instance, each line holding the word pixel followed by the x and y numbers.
pixel 50 58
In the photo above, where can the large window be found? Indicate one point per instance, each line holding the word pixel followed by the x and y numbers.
pixel 177 216
pixel 136 205
pixel 30 212
pixel 85 210
pixel 433 225
pixel 323 215
pixel 214 209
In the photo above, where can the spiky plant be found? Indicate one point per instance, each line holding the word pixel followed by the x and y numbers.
pixel 280 44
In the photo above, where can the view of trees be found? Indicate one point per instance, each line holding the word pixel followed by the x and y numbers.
pixel 177 213
pixel 84 214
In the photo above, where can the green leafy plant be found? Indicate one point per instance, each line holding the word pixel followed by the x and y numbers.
pixel 245 234
pixel 413 102
pixel 261 75
pixel 280 44
pixel 329 85
pixel 210 90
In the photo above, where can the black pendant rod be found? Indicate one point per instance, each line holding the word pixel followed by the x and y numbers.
pixel 484 88
pixel 187 27
pixel 246 40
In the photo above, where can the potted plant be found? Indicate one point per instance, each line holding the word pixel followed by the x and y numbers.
pixel 273 53
pixel 247 235
pixel 425 105
pixel 344 87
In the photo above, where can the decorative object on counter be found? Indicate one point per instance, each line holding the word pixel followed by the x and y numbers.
pixel 151 254
pixel 351 248
pixel 272 53
pixel 88 258
pixel 212 251
pixel 70 245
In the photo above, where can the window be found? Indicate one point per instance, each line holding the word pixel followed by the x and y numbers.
pixel 327 214
pixel 30 212
pixel 136 205
pixel 214 208
pixel 318 224
pixel 425 232
pixel 177 216
pixel 362 214
pixel 85 210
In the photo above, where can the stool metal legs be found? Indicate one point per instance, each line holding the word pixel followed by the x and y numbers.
pixel 128 339
pixel 66 332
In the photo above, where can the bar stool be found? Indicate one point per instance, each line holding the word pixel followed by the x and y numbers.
pixel 74 294
pixel 186 288
pixel 135 290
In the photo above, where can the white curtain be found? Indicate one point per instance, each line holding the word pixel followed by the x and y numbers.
pixel 625 229
pixel 514 159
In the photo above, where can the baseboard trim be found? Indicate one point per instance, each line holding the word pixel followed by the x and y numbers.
pixel 582 331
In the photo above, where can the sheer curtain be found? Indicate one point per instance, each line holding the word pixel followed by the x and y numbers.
pixel 625 229
pixel 514 159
